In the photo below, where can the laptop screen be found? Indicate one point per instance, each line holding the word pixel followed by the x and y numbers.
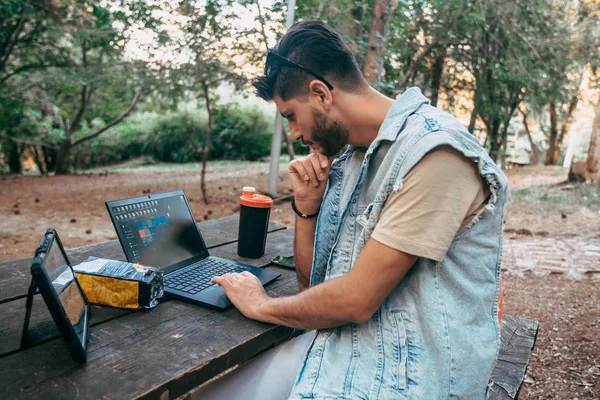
pixel 157 231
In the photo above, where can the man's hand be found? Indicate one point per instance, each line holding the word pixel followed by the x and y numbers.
pixel 245 292
pixel 308 177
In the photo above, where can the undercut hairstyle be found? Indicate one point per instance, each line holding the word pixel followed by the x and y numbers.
pixel 317 47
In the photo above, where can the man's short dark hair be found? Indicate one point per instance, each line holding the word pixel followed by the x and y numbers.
pixel 317 47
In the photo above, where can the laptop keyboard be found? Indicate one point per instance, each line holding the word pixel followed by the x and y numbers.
pixel 196 277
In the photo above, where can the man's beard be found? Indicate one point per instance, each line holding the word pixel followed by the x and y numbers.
pixel 332 136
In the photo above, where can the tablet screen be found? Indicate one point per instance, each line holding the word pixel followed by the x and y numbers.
pixel 63 281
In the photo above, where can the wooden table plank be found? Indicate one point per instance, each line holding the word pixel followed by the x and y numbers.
pixel 173 348
pixel 12 313
pixel 517 340
pixel 15 275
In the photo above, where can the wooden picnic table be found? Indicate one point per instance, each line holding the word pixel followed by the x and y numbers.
pixel 167 351
pixel 160 353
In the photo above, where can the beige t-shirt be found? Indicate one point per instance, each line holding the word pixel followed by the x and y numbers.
pixel 439 196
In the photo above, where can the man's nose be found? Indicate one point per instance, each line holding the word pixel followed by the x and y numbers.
pixel 294 132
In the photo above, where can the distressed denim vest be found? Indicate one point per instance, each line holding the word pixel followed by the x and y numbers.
pixel 437 334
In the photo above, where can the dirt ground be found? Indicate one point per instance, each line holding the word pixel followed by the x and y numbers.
pixel 551 258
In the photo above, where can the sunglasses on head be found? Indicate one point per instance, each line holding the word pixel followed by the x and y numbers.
pixel 275 59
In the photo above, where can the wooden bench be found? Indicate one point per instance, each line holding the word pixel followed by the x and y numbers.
pixel 518 337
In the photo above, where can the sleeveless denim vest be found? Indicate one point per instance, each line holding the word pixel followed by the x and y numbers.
pixel 437 334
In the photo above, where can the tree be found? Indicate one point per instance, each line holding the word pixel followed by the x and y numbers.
pixel 207 44
pixel 510 50
pixel 71 56
pixel 418 29
pixel 98 72
pixel 29 36
pixel 492 54
pixel 572 44
pixel 593 156
pixel 28 43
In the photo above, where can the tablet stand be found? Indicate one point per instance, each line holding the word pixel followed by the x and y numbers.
pixel 25 337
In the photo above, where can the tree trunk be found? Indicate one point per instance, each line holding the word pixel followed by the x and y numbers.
pixel 436 75
pixel 475 111
pixel 534 154
pixel 472 120
pixel 566 122
pixel 593 157
pixel 556 138
pixel 49 158
pixel 14 157
pixel 206 143
pixel 495 139
pixel 63 154
pixel 39 161
pixel 380 21
pixel 288 144
pixel 504 144
pixel 553 136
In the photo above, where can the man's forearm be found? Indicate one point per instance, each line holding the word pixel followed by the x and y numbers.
pixel 323 306
pixel 353 297
pixel 304 242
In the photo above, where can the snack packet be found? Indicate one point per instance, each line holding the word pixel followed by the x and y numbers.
pixel 119 284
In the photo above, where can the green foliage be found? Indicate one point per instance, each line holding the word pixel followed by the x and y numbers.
pixel 240 134
pixel 178 137
pixel 123 142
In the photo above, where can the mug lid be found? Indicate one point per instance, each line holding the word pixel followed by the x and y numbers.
pixel 249 198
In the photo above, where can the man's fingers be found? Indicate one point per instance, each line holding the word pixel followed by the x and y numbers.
pixel 297 167
pixel 218 280
pixel 308 166
pixel 316 165
pixel 223 280
pixel 250 275
pixel 323 160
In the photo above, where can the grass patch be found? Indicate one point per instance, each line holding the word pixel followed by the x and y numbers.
pixel 150 163
pixel 549 199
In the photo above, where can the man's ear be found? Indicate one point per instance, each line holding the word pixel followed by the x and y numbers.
pixel 320 92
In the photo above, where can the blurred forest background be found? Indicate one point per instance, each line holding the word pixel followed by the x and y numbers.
pixel 86 84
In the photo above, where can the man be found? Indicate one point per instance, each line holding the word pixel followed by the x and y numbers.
pixel 397 242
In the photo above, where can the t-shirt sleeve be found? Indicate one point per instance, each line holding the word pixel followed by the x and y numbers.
pixel 423 217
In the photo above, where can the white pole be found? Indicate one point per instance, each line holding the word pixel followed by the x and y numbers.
pixel 290 15
pixel 275 153
pixel 278 131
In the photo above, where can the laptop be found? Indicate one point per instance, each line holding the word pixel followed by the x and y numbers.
pixel 159 230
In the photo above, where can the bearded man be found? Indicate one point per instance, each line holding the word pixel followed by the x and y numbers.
pixel 398 241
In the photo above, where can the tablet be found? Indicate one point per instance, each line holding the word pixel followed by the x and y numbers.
pixel 53 275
